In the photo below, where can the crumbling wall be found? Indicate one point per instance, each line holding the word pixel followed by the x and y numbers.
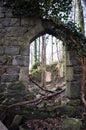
pixel 15 35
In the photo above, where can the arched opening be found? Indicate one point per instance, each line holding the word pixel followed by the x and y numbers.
pixel 47 62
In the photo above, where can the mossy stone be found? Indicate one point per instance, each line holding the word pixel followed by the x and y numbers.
pixel 71 124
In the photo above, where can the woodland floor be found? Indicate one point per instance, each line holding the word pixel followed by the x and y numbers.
pixel 49 95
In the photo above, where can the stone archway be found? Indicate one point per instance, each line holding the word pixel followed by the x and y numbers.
pixel 16 34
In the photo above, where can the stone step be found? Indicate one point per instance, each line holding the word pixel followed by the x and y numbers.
pixel 2 126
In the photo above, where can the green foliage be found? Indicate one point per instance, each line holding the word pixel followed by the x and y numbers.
pixel 51 67
pixel 72 26
pixel 17 86
pixel 58 10
pixel 41 8
pixel 34 66
pixel 36 74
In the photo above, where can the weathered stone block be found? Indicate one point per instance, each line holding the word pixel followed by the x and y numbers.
pixel 2 31
pixel 78 77
pixel 21 60
pixel 1 50
pixel 27 22
pixel 11 41
pixel 2 70
pixel 5 60
pixel 68 110
pixel 8 13
pixel 71 59
pixel 25 51
pixel 1 3
pixel 12 70
pixel 1 40
pixel 2 126
pixel 16 31
pixel 1 12
pixel 73 89
pixel 3 87
pixel 5 22
pixel 71 124
pixel 9 78
pixel 12 50
pixel 78 69
pixel 23 76
pixel 69 73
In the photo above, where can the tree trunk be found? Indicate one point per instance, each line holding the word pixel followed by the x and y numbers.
pixel 80 16
pixel 74 10
pixel 43 79
pixel 35 51
pixel 52 47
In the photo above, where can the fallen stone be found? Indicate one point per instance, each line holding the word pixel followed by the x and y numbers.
pixel 71 124
pixel 2 126
pixel 16 121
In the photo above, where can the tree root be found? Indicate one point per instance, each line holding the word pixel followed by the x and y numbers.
pixel 35 101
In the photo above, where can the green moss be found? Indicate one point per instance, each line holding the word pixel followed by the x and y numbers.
pixel 31 96
pixel 71 124
pixel 17 86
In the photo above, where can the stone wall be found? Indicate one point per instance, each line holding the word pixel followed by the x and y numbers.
pixel 73 75
pixel 15 36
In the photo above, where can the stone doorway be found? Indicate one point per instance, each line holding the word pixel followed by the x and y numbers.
pixel 54 64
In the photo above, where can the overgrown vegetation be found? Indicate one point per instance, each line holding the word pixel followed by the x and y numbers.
pixel 59 9
pixel 51 66
pixel 55 10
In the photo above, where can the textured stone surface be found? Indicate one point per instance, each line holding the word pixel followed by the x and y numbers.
pixel 5 22
pixel 73 89
pixel 1 12
pixel 21 61
pixel 25 51
pixel 77 70
pixel 16 31
pixel 69 73
pixel 12 50
pixel 71 124
pixel 15 36
pixel 2 70
pixel 24 74
pixel 12 70
pixel 1 50
pixel 5 60
pixel 9 78
pixel 2 126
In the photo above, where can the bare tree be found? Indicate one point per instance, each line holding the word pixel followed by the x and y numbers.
pixel 35 51
pixel 43 66
pixel 52 48
pixel 80 16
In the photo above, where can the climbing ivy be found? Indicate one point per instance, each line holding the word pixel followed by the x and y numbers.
pixel 40 8
pixel 58 10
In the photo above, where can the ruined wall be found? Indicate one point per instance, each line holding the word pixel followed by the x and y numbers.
pixel 73 75
pixel 15 36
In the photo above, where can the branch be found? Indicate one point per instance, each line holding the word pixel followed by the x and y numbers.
pixel 35 101
pixel 39 85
